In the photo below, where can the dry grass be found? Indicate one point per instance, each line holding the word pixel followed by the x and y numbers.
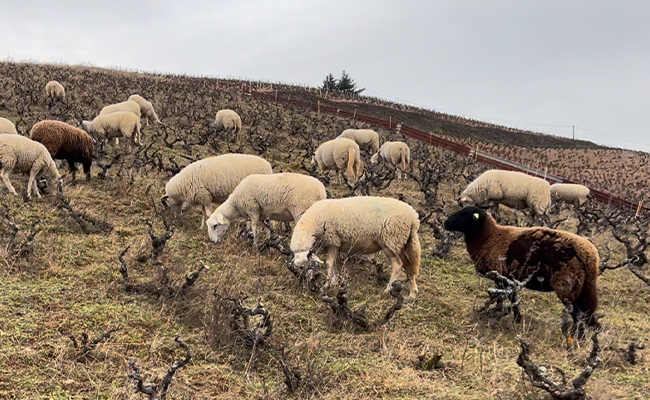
pixel 71 284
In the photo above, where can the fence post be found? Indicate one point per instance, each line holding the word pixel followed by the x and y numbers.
pixel 318 112
pixel 355 114
pixel 276 95
pixel 390 122
pixel 545 170
pixel 476 154
pixel 638 209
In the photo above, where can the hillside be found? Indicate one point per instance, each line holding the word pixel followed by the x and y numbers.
pixel 62 273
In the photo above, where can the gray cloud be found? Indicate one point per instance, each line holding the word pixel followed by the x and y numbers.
pixel 556 63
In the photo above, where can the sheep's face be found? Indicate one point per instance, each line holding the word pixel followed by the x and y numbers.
pixel 217 227
pixel 303 258
pixel 465 200
pixel 469 221
pixel 375 158
pixel 85 125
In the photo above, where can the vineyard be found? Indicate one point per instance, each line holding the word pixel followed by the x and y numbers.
pixel 104 288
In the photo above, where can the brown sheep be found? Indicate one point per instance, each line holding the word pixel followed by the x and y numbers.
pixel 556 260
pixel 65 142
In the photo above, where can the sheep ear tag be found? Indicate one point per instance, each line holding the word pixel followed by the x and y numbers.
pixel 476 216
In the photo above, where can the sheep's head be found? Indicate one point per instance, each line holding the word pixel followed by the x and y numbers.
pixel 375 158
pixel 303 258
pixel 218 225
pixel 85 125
pixel 464 200
pixel 469 221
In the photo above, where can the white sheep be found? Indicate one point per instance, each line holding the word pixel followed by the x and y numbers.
pixel 129 105
pixel 510 188
pixel 280 197
pixel 570 192
pixel 7 126
pixel 360 225
pixel 146 108
pixel 117 124
pixel 396 153
pixel 367 139
pixel 54 90
pixel 211 180
pixel 228 120
pixel 338 155
pixel 21 154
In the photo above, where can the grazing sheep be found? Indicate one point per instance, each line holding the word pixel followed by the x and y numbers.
pixel 512 189
pixel 546 259
pixel 7 126
pixel 65 142
pixel 22 154
pixel 228 120
pixel 211 180
pixel 280 197
pixel 396 153
pixel 362 225
pixel 146 108
pixel 54 90
pixel 367 139
pixel 130 106
pixel 118 124
pixel 337 155
pixel 570 193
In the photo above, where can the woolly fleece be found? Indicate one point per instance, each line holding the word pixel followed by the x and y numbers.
pixel 22 154
pixel 361 225
pixel 367 139
pixel 280 197
pixel 510 188
pixel 338 155
pixel 212 179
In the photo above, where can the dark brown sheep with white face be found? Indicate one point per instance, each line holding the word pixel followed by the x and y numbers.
pixel 65 142
pixel 557 261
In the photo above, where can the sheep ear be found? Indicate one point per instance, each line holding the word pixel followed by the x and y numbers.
pixel 476 216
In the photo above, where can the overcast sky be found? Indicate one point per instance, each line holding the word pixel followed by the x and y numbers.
pixel 542 65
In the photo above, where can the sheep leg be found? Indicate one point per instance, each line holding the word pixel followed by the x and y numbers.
pixel 73 169
pixel 332 254
pixel 396 264
pixel 255 220
pixel 567 290
pixel 5 179
pixel 31 183
pixel 86 166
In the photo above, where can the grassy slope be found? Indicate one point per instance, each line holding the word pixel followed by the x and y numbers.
pixel 71 284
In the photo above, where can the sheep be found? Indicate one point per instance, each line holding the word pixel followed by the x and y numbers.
pixel 570 193
pixel 228 120
pixel 364 225
pixel 114 125
pixel 510 188
pixel 367 139
pixel 7 126
pixel 54 90
pixel 545 259
pixel 146 108
pixel 396 153
pixel 337 155
pixel 22 154
pixel 65 142
pixel 280 197
pixel 211 180
pixel 129 105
